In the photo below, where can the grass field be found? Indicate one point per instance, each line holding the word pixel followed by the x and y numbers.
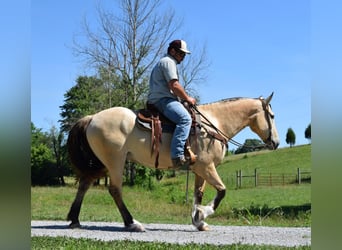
pixel 86 244
pixel 288 205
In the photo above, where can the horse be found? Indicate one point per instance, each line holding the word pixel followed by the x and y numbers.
pixel 101 143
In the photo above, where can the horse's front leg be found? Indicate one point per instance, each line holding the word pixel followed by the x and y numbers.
pixel 200 212
pixel 199 189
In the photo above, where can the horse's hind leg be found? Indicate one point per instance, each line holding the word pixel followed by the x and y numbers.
pixel 115 190
pixel 75 208
pixel 130 223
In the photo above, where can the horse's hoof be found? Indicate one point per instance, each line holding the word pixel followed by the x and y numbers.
pixel 203 227
pixel 135 227
pixel 73 225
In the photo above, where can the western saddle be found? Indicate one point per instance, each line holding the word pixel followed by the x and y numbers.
pixel 151 119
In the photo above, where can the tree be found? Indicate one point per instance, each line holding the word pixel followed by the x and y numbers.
pixel 58 145
pixel 43 170
pixel 290 137
pixel 250 145
pixel 307 132
pixel 192 71
pixel 127 43
pixel 87 97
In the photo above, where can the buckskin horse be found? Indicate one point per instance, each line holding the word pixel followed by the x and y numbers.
pixel 100 144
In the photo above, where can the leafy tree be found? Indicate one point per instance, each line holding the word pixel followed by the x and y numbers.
pixel 250 145
pixel 43 169
pixel 58 145
pixel 290 137
pixel 307 132
pixel 120 92
pixel 87 97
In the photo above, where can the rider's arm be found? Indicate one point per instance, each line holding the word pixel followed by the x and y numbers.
pixel 179 91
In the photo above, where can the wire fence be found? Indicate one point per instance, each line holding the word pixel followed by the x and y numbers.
pixel 256 179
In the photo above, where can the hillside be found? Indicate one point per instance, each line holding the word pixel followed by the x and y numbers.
pixel 282 160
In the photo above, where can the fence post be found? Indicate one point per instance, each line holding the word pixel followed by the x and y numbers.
pixel 240 178
pixel 299 177
pixel 255 177
pixel 237 179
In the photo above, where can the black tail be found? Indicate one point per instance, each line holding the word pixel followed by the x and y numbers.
pixel 85 163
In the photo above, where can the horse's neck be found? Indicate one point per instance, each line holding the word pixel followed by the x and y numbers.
pixel 230 116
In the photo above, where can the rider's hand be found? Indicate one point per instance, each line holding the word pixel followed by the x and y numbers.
pixel 191 100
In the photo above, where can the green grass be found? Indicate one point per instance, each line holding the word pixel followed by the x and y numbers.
pixel 288 205
pixel 283 206
pixel 69 243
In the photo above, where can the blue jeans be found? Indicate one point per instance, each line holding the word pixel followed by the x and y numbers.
pixel 176 112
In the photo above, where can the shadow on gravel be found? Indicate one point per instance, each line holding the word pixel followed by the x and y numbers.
pixel 113 228
pixel 92 228
pixel 171 230
pixel 53 227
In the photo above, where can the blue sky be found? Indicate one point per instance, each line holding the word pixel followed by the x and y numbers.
pixel 255 47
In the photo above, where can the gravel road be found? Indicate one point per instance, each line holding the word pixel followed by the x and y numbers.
pixel 180 234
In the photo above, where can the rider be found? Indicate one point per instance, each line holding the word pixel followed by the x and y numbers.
pixel 165 93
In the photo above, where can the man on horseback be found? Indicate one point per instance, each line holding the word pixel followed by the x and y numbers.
pixel 165 93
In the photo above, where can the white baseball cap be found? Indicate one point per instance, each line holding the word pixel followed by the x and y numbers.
pixel 179 45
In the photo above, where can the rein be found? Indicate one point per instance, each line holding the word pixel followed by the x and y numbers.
pixel 221 135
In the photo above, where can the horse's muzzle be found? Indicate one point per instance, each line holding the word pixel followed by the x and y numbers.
pixel 271 144
pixel 275 145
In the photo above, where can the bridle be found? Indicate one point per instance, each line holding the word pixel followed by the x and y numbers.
pixel 225 138
pixel 268 117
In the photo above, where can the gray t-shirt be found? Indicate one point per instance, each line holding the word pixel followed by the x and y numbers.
pixel 164 71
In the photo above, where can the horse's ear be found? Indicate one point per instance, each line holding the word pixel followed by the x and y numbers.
pixel 268 99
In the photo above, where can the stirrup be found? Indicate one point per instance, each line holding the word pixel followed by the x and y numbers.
pixel 192 157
